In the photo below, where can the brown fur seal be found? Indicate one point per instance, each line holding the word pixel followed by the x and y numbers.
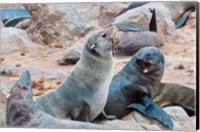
pixel 83 94
pixel 176 94
pixel 21 111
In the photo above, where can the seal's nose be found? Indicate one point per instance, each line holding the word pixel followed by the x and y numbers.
pixel 112 29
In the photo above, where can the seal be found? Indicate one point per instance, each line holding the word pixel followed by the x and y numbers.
pixel 21 110
pixel 83 94
pixel 135 85
pixel 171 94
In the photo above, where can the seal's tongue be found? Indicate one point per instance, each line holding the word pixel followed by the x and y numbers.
pixel 146 69
pixel 145 66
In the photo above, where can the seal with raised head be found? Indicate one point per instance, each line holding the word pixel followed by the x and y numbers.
pixel 21 110
pixel 83 94
pixel 135 86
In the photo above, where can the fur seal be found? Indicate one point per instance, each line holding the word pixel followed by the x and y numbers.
pixel 83 94
pixel 21 111
pixel 171 94
pixel 135 85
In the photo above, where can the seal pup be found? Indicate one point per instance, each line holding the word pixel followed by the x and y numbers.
pixel 83 94
pixel 135 85
pixel 21 111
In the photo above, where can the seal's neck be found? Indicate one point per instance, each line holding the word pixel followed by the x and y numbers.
pixel 94 59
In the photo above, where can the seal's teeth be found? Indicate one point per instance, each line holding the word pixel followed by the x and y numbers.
pixel 145 70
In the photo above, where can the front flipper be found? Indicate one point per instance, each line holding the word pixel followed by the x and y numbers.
pixel 152 110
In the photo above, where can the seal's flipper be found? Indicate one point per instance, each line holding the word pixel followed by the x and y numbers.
pixel 183 19
pixel 129 26
pixel 24 80
pixel 153 24
pixel 152 110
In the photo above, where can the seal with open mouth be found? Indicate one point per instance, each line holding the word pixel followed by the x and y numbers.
pixel 83 94
pixel 135 86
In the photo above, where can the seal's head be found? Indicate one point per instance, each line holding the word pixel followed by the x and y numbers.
pixel 20 106
pixel 150 60
pixel 102 41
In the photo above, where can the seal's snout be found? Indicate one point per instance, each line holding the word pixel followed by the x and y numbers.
pixel 116 39
pixel 114 36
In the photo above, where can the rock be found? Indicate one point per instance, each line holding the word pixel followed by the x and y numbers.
pixel 17 40
pixel 71 55
pixel 138 117
pixel 56 23
pixel 177 113
pixel 120 124
pixel 2 98
pixel 180 67
pixel 144 122
pixel 10 71
pixel 1 25
pixel 150 127
pixel 2 117
pixel 23 24
pixel 190 124
pixel 177 125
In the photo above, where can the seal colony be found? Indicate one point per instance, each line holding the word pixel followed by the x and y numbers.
pixel 21 111
pixel 83 94
pixel 135 86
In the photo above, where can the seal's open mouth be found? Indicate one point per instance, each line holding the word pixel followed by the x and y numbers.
pixel 145 66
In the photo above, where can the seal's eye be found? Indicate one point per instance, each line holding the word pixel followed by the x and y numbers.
pixel 104 35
